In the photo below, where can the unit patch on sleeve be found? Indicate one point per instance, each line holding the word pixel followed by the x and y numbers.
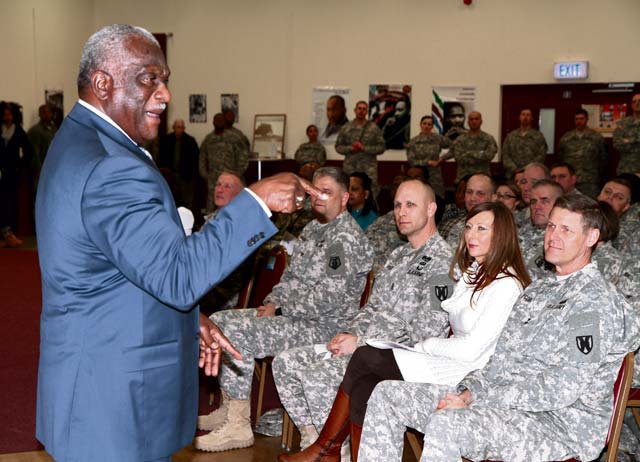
pixel 335 260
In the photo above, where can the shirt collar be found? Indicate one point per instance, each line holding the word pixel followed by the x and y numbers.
pixel 110 121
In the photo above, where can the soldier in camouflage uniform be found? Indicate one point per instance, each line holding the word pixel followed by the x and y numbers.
pixel 424 150
pixel 403 307
pixel 629 286
pixel 544 195
pixel 473 150
pixel 225 294
pixel 530 174
pixel 626 139
pixel 546 392
pixel 383 237
pixel 585 150
pixel 523 145
pixel 319 291
pixel 360 141
pixel 220 151
pixel 241 139
pixel 311 151
pixel 480 188
pixel 617 193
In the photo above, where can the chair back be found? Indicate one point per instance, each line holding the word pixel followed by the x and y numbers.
pixel 368 287
pixel 620 396
pixel 267 274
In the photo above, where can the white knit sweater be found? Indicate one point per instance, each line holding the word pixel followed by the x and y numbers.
pixel 446 361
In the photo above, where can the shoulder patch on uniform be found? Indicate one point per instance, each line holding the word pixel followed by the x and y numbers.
pixel 335 260
pixel 440 288
pixel 584 338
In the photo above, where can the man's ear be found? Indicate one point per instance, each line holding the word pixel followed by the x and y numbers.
pixel 345 198
pixel 593 236
pixel 101 85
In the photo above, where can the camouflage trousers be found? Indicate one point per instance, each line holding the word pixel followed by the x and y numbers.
pixel 629 435
pixel 482 433
pixel 393 406
pixel 307 383
pixel 256 337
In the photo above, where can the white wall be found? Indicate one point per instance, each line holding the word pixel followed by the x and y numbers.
pixel 41 46
pixel 273 52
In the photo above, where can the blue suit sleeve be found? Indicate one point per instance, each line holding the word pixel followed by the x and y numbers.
pixel 130 216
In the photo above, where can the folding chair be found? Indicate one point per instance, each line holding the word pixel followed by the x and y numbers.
pixel 621 390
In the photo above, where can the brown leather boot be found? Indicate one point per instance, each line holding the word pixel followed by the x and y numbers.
pixel 354 432
pixel 335 431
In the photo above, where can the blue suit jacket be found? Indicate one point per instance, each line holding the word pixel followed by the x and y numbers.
pixel 117 379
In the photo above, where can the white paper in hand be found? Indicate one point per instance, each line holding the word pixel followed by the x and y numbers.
pixel 389 345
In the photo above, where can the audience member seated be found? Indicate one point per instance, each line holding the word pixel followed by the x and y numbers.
pixel 610 260
pixel 531 173
pixel 456 209
pixel 546 394
pixel 224 296
pixel 319 291
pixel 361 205
pixel 492 277
pixel 543 196
pixel 618 193
pixel 290 225
pixel 404 306
pixel 565 175
pixel 480 189
pixel 630 220
pixel 509 194
pixel 311 151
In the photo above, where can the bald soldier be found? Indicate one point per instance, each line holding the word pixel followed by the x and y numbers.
pixel 403 307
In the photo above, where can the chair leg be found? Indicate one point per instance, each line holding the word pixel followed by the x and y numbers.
pixel 415 444
pixel 636 415
pixel 286 421
pixel 261 379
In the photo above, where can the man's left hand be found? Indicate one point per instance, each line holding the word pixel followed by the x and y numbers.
pixel 212 342
pixel 452 401
pixel 268 309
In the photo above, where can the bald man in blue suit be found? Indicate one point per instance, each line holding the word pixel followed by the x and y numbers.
pixel 120 329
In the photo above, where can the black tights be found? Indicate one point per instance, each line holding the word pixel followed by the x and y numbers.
pixel 368 367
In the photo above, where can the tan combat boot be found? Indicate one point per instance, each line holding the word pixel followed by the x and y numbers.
pixel 215 419
pixel 234 434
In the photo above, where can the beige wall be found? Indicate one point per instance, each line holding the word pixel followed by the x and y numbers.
pixel 273 52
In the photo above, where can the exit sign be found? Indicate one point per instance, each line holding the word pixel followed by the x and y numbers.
pixel 571 70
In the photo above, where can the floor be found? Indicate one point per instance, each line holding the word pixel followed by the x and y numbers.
pixel 265 449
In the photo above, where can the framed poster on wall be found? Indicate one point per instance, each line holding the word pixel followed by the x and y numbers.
pixel 268 135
